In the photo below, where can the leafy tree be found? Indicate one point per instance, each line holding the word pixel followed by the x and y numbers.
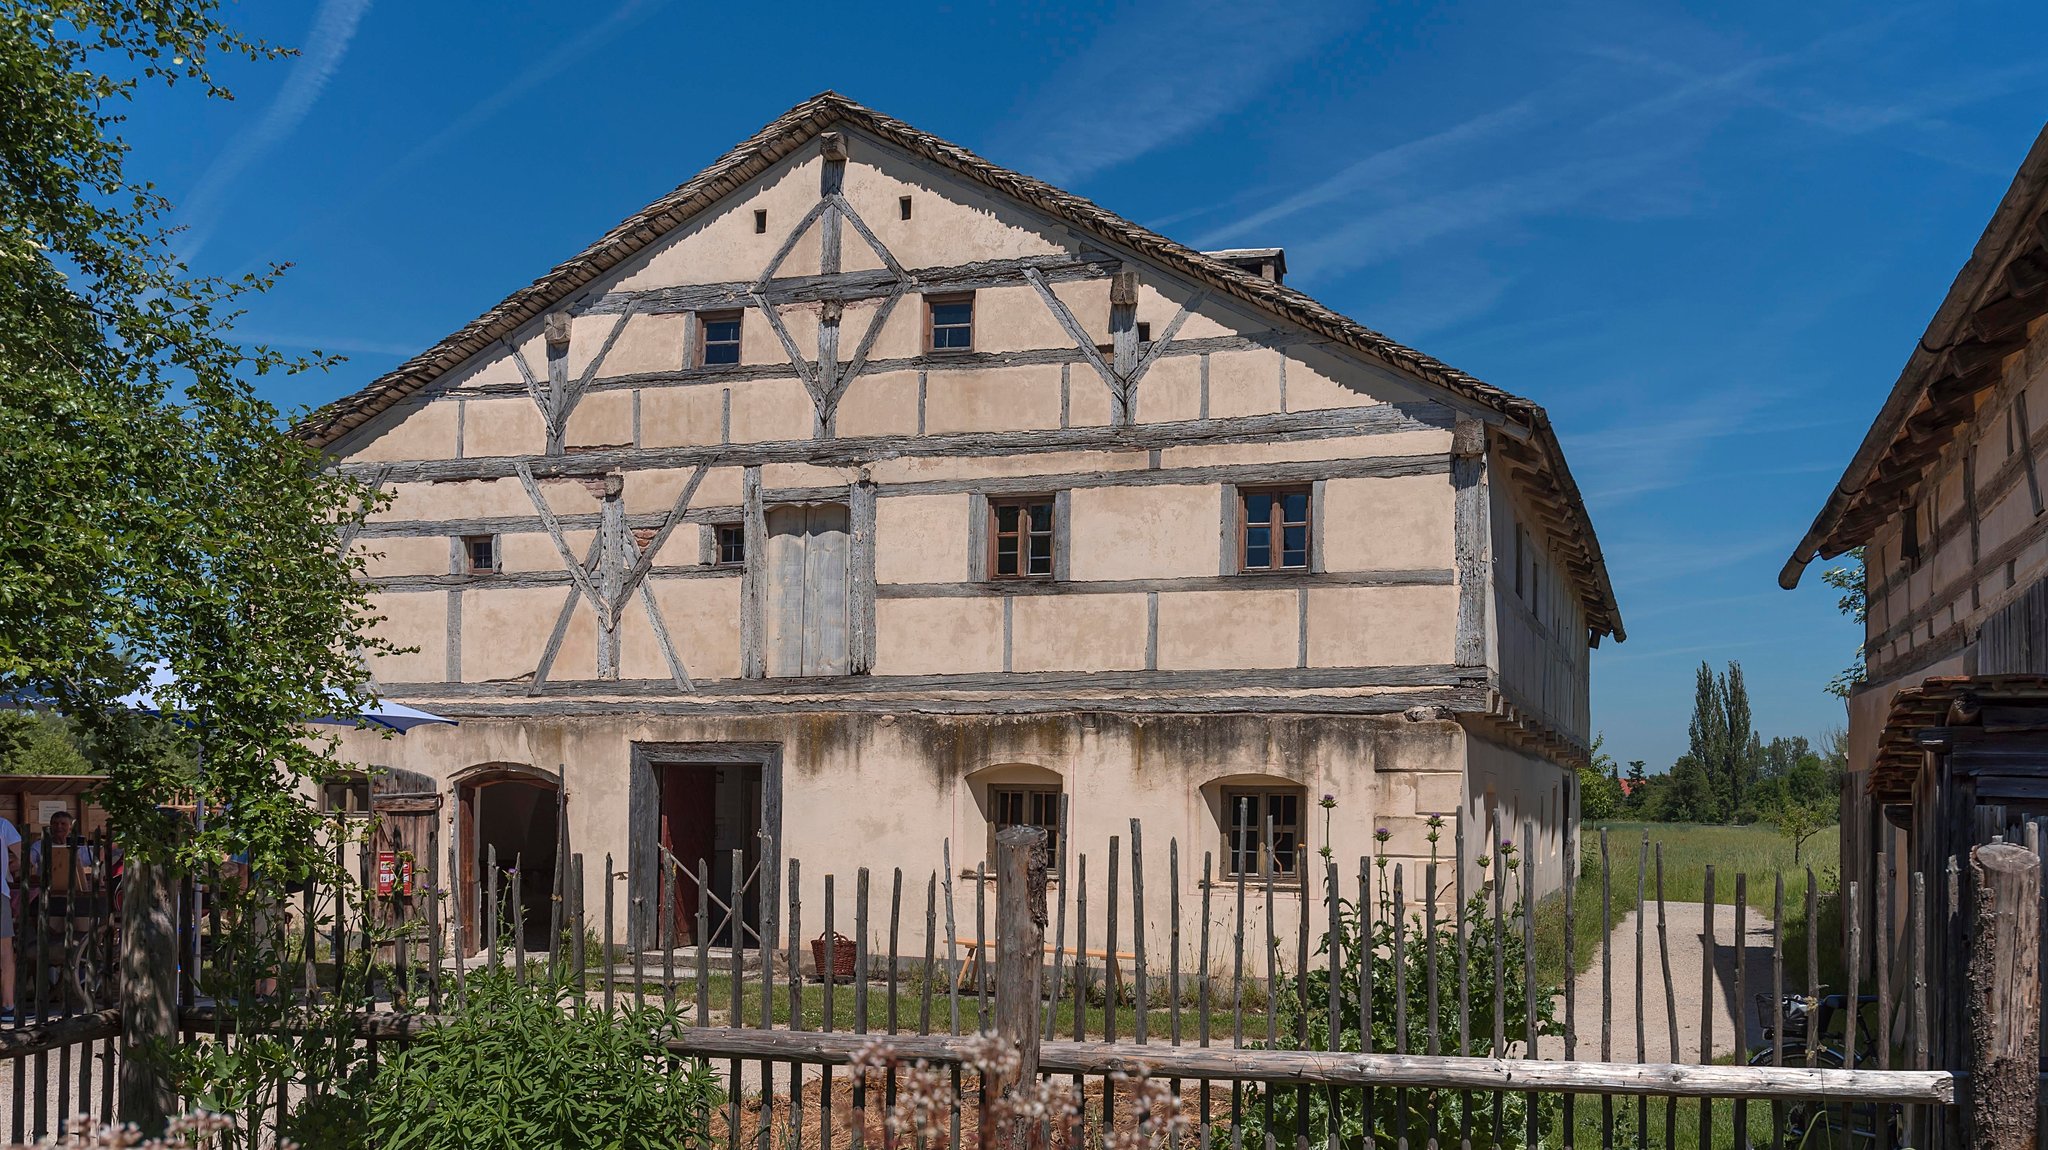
pixel 1636 795
pixel 1599 785
pixel 1738 767
pixel 1851 579
pixel 1689 797
pixel 36 743
pixel 1707 746
pixel 158 512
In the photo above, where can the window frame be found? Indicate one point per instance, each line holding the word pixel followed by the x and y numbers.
pixel 719 534
pixel 737 317
pixel 1054 792
pixel 354 793
pixel 1276 522
pixel 1024 534
pixel 469 563
pixel 946 299
pixel 1264 792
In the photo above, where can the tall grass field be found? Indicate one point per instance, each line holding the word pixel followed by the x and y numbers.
pixel 1756 854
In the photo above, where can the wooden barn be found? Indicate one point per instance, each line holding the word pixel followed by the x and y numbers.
pixel 1945 498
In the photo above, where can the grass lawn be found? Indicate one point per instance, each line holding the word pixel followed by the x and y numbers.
pixel 909 1008
pixel 1688 849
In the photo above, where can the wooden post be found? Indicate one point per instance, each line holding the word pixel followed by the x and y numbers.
pixel 149 1017
pixel 1020 941
pixel 2005 997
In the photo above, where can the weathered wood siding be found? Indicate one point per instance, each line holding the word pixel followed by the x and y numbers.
pixel 1949 575
pixel 1540 634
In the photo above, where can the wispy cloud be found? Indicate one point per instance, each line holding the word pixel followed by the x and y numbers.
pixel 522 83
pixel 1487 204
pixel 1402 162
pixel 525 81
pixel 1157 73
pixel 334 27
pixel 1613 138
pixel 340 344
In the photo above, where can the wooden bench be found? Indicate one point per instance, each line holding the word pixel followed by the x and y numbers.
pixel 973 960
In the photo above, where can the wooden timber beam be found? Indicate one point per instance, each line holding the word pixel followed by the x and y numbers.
pixel 2004 316
pixel 1443 1072
pixel 2027 273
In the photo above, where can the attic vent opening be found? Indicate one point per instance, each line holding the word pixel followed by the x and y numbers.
pixel 1266 263
pixel 760 221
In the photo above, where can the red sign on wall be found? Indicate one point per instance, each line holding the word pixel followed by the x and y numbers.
pixel 394 874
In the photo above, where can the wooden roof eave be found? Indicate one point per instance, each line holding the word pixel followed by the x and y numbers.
pixel 2007 268
pixel 1900 754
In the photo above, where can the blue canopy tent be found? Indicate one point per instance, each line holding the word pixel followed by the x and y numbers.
pixel 384 713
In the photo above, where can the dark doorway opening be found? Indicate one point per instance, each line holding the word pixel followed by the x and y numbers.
pixel 708 812
pixel 512 821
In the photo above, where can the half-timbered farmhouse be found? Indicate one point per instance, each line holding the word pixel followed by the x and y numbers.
pixel 1949 732
pixel 861 493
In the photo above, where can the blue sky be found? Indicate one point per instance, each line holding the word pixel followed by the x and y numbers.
pixel 1705 237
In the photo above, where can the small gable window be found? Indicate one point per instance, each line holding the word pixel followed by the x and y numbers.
pixel 731 545
pixel 720 338
pixel 951 322
pixel 1021 538
pixel 1275 524
pixel 480 554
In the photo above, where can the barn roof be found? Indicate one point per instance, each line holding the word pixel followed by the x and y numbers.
pixel 1955 367
pixel 1529 437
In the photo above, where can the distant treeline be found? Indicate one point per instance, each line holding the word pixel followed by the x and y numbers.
pixel 1728 773
pixel 39 742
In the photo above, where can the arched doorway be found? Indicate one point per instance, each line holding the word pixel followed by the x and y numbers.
pixel 511 817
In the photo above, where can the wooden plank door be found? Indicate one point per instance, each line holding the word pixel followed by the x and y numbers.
pixel 689 825
pixel 406 806
pixel 808 559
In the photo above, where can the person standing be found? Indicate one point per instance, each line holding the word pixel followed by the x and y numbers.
pixel 10 842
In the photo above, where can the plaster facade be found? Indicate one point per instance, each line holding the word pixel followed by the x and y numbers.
pixel 862 653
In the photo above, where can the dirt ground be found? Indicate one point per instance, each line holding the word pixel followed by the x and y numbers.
pixel 62 1093
pixel 1685 923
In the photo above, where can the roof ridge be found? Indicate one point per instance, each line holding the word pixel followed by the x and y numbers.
pixel 795 127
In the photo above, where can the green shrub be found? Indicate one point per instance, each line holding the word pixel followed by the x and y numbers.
pixel 523 1068
pixel 1303 1005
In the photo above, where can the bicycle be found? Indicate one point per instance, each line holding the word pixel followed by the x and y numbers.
pixel 1801 1023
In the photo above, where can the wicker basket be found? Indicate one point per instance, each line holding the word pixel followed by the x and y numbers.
pixel 842 957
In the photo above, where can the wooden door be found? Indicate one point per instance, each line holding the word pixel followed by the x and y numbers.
pixel 809 551
pixel 689 826
pixel 406 806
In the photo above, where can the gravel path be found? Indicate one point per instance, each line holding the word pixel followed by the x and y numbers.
pixel 1685 925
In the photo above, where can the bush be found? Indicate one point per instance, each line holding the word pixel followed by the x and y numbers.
pixel 1303 1004
pixel 529 1068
